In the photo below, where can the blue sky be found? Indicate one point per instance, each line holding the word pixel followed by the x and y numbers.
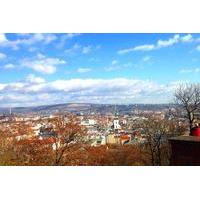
pixel 37 69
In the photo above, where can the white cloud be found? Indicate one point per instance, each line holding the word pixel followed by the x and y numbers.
pixel 27 39
pixel 37 66
pixel 115 66
pixel 34 90
pixel 114 62
pixel 73 49
pixel 32 49
pixel 49 38
pixel 2 56
pixel 169 42
pixel 83 70
pixel 187 38
pixel 77 48
pixel 9 66
pixel 159 44
pixel 45 38
pixel 189 70
pixel 198 48
pixel 2 38
pixel 31 78
pixel 4 42
pixel 42 64
pixel 146 58
pixel 64 38
pixel 72 35
pixel 146 47
pixel 86 49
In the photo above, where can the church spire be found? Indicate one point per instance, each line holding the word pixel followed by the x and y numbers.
pixel 116 113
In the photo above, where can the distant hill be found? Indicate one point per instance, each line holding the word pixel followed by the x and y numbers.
pixel 85 108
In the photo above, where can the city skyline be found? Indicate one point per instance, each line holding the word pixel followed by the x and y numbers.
pixel 38 69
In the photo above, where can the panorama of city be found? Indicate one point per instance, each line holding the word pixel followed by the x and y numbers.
pixel 81 99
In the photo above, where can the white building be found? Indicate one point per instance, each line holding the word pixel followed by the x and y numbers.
pixel 116 124
pixel 88 122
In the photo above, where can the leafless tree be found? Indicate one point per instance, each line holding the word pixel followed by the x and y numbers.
pixel 187 96
pixel 157 133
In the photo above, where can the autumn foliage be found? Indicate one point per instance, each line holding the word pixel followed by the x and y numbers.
pixel 66 146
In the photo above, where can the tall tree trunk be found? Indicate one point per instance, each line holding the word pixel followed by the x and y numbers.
pixel 159 155
pixel 190 118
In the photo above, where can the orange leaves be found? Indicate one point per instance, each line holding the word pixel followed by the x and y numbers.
pixel 65 147
pixel 113 155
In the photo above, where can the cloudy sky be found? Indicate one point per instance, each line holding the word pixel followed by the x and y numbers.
pixel 38 69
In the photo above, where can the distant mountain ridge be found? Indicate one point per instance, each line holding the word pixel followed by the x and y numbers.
pixel 84 107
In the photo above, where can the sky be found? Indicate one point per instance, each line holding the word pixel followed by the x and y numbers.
pixel 48 68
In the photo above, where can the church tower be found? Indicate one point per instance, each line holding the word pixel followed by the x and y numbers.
pixel 116 124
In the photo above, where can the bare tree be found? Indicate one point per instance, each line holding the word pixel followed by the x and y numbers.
pixel 157 133
pixel 187 96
